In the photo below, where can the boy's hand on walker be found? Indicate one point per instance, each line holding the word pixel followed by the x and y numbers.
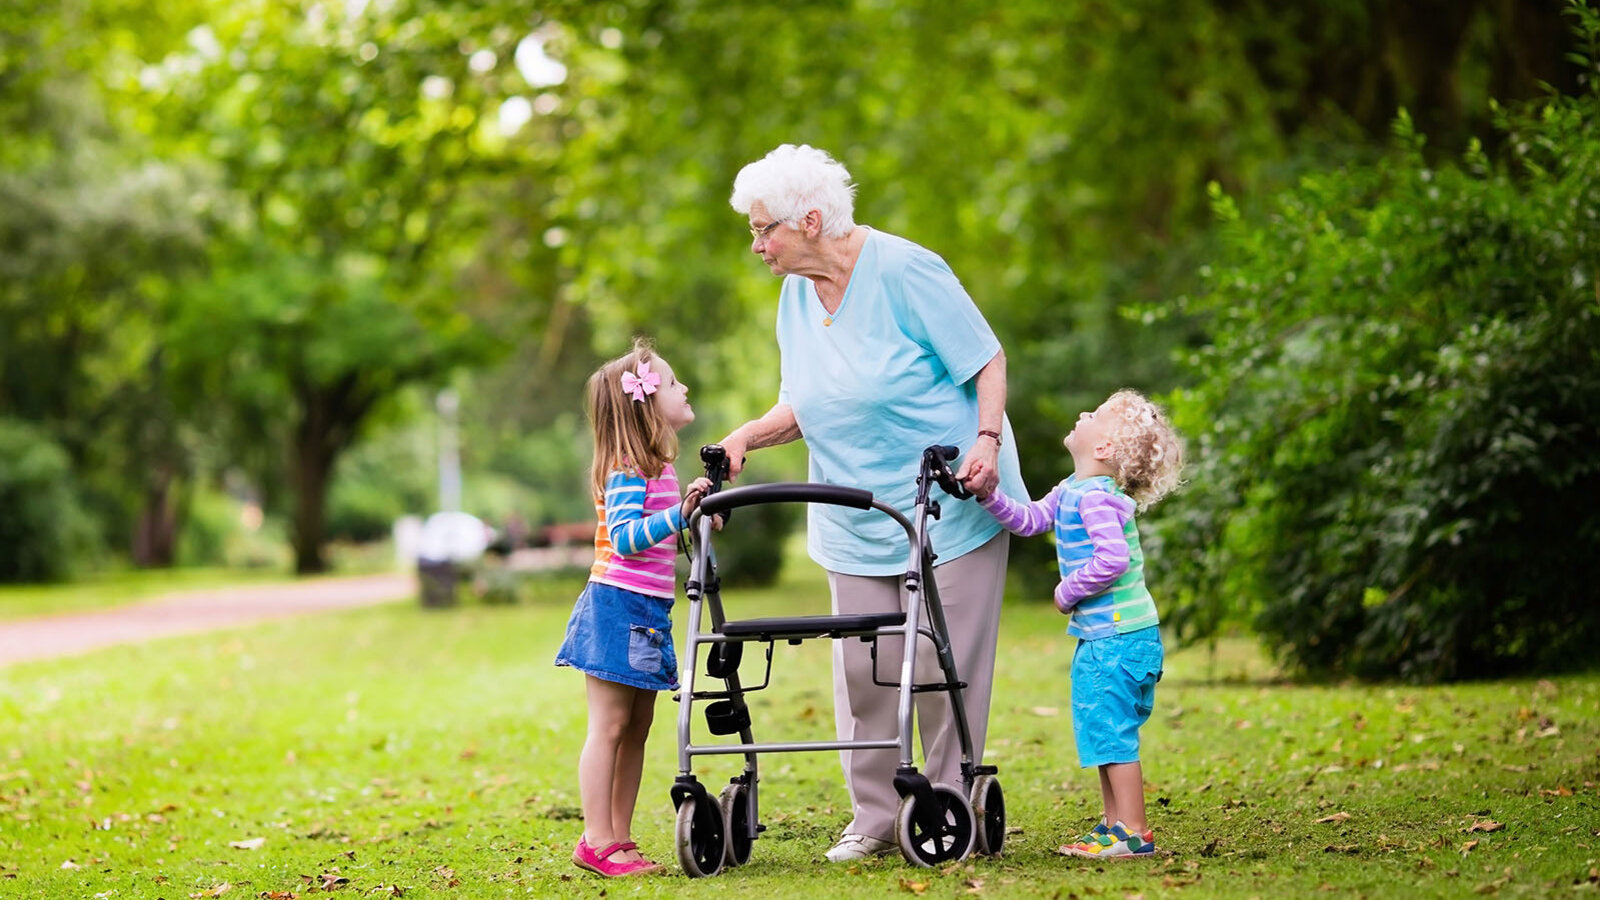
pixel 980 470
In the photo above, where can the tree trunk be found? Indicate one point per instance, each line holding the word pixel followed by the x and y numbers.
pixel 312 468
pixel 330 416
pixel 1425 40
pixel 156 531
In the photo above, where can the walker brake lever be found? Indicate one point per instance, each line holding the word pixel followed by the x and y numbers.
pixel 936 460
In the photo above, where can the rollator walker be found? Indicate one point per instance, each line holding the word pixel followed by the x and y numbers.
pixel 936 823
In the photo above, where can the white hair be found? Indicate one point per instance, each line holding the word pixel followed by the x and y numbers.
pixel 793 180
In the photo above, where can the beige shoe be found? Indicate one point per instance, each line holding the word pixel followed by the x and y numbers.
pixel 858 846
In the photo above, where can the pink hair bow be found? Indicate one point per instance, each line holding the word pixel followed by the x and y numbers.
pixel 641 384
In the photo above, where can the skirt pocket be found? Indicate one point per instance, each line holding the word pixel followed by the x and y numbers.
pixel 644 648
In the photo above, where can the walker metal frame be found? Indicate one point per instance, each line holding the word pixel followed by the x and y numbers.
pixel 936 822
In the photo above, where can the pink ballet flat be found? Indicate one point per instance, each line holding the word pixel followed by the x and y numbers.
pixel 599 862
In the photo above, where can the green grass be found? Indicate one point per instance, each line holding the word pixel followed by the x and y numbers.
pixel 434 753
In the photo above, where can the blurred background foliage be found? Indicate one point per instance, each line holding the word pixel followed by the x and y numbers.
pixel 243 243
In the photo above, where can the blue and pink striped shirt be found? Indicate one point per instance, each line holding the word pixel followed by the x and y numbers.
pixel 1097 546
pixel 637 518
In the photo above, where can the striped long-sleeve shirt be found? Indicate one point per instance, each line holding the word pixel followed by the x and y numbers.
pixel 1097 547
pixel 638 517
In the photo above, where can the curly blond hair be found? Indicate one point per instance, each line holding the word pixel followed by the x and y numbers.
pixel 628 434
pixel 1146 451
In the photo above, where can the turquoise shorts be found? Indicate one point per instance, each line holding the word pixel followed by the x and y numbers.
pixel 1113 690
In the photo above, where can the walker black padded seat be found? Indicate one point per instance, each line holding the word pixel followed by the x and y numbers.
pixel 784 628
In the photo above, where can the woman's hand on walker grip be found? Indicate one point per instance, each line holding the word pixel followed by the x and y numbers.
pixel 735 446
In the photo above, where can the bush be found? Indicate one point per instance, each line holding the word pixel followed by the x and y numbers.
pixel 1395 425
pixel 390 475
pixel 44 529
pixel 750 549
pixel 214 533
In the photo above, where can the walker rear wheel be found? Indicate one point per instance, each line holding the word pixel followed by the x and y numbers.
pixel 735 803
pixel 951 840
pixel 989 808
pixel 701 837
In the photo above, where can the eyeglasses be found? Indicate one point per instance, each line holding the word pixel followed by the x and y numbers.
pixel 766 230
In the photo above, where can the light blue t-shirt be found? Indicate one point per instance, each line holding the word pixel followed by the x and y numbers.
pixel 873 385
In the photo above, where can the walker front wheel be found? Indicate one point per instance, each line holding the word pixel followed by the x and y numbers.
pixel 700 837
pixel 989 808
pixel 953 837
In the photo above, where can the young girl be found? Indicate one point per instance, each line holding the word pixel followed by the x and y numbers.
pixel 1125 456
pixel 620 633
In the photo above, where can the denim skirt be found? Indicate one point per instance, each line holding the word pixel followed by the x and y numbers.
pixel 619 635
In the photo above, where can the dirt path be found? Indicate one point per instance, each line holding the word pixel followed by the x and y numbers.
pixel 193 611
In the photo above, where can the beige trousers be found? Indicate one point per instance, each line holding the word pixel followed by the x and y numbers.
pixel 970 589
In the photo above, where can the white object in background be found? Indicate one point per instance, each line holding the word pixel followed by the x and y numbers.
pixel 407 532
pixel 456 537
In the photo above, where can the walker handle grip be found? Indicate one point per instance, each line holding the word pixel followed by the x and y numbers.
pixel 936 462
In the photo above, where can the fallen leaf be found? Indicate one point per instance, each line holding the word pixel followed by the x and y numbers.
pixel 974 885
pixel 1336 817
pixel 915 887
pixel 1468 847
pixel 279 895
pixel 248 844
pixel 1486 826
pixel 216 891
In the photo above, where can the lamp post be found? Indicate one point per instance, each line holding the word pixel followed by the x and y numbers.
pixel 447 403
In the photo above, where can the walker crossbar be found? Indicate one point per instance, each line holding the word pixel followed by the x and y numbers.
pixel 785 492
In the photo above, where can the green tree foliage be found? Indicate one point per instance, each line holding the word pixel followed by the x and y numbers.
pixel 359 160
pixel 44 529
pixel 93 234
pixel 1397 412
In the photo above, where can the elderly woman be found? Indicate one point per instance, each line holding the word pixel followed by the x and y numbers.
pixel 882 353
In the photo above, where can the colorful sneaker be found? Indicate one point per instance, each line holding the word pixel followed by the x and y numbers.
pixel 1081 846
pixel 1116 843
